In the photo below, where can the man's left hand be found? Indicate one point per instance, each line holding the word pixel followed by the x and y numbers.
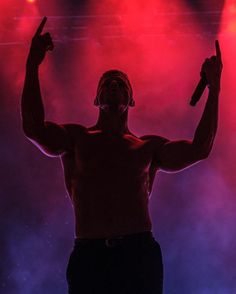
pixel 212 68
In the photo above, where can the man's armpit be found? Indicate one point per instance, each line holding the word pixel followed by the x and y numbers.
pixel 156 143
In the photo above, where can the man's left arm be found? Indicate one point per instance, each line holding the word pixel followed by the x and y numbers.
pixel 177 155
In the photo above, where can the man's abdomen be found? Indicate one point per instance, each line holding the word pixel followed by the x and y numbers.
pixel 106 215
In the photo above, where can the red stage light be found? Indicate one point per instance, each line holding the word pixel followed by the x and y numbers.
pixel 31 1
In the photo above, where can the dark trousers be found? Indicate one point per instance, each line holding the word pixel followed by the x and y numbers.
pixel 127 265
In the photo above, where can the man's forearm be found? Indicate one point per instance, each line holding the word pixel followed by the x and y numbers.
pixel 206 130
pixel 32 109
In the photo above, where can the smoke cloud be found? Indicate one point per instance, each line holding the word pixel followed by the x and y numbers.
pixel 161 47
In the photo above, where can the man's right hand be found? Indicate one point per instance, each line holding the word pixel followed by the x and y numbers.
pixel 39 45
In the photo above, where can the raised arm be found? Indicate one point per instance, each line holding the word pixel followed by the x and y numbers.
pixel 51 138
pixel 177 155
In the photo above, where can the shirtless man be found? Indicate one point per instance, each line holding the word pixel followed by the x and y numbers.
pixel 109 174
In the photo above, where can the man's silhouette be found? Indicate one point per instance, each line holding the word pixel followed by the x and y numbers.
pixel 109 174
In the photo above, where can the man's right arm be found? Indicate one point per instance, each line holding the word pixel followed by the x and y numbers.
pixel 51 138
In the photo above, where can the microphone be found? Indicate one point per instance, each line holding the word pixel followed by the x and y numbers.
pixel 199 90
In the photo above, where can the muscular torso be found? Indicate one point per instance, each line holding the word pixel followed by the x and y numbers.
pixel 109 179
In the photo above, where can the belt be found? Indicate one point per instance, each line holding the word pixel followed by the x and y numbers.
pixel 136 238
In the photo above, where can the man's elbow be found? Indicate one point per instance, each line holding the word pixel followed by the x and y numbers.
pixel 30 130
pixel 201 151
pixel 204 154
pixel 27 131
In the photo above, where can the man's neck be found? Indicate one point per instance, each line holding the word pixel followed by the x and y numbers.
pixel 113 123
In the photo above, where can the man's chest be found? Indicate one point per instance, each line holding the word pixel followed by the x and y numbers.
pixel 106 154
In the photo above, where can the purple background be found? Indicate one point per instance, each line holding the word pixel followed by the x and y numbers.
pixel 193 212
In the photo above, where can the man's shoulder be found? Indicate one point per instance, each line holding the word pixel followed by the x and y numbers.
pixel 154 139
pixel 75 131
pixel 74 128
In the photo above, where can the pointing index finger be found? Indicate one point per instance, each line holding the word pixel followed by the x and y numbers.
pixel 41 26
pixel 218 52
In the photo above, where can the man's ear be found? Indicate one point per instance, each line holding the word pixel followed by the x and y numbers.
pixel 96 102
pixel 131 102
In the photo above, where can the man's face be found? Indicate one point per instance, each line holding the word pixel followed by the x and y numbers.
pixel 114 94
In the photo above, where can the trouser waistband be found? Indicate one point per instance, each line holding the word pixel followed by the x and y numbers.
pixel 116 241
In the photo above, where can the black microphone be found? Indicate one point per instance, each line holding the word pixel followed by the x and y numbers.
pixel 199 90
